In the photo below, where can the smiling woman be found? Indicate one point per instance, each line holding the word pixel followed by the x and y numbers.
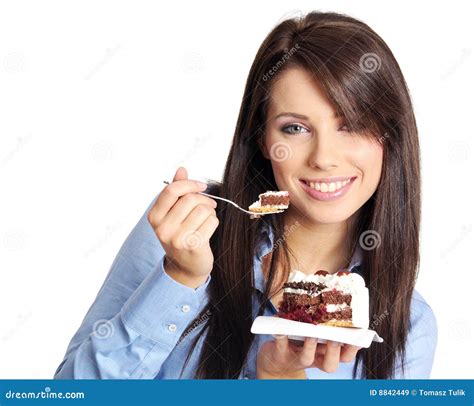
pixel 331 122
pixel 325 160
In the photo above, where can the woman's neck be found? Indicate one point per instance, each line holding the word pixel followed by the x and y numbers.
pixel 318 246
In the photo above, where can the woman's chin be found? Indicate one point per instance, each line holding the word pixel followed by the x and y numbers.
pixel 322 216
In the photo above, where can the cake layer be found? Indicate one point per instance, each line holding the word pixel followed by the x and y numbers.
pixel 317 315
pixel 274 199
pixel 335 299
pixel 304 287
pixel 271 201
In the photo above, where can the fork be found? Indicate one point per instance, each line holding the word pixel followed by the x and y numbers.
pixel 254 214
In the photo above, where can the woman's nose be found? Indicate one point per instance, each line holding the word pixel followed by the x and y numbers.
pixel 324 152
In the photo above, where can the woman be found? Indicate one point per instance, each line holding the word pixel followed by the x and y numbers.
pixel 326 115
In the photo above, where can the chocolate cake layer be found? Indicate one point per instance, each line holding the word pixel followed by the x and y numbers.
pixel 274 200
pixel 315 314
pixel 343 314
pixel 293 300
pixel 311 287
pixel 339 299
pixel 335 297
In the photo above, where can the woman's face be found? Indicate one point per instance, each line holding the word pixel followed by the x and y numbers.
pixel 329 172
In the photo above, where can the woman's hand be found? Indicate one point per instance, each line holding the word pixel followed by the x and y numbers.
pixel 282 359
pixel 184 222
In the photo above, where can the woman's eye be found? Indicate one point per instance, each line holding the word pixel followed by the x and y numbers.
pixel 294 129
pixel 344 128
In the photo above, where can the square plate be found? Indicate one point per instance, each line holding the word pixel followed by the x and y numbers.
pixel 297 330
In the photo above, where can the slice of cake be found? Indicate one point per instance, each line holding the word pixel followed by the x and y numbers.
pixel 339 299
pixel 271 202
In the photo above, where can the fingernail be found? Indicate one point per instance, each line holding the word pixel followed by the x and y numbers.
pixel 311 340
pixel 202 185
pixel 278 336
pixel 334 343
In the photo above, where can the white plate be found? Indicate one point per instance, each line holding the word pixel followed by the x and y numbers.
pixel 297 330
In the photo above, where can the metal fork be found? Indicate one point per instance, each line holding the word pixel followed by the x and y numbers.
pixel 254 215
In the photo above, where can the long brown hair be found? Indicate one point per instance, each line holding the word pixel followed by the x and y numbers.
pixel 364 82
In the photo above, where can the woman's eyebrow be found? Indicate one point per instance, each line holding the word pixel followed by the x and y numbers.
pixel 301 116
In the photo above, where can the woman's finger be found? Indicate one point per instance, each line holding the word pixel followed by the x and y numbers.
pixel 331 358
pixel 183 208
pixel 181 173
pixel 321 348
pixel 306 356
pixel 206 230
pixel 170 195
pixel 281 346
pixel 348 352
pixel 197 216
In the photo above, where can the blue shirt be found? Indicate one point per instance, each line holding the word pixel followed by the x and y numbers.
pixel 132 328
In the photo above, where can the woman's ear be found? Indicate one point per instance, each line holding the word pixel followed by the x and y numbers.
pixel 263 147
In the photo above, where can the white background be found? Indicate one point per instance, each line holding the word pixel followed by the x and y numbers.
pixel 101 101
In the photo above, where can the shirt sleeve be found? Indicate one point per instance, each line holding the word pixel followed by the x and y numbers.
pixel 421 342
pixel 137 317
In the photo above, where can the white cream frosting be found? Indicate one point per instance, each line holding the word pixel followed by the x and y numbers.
pixel 346 283
pixel 257 204
pixel 352 284
pixel 274 193
pixel 336 307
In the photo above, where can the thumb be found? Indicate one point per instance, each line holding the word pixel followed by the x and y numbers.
pixel 181 174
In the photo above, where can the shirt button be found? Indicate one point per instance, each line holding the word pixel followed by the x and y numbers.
pixel 172 328
pixel 185 308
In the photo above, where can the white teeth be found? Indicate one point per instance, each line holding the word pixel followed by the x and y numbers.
pixel 328 187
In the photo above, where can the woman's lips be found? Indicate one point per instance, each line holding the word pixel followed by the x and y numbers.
pixel 326 196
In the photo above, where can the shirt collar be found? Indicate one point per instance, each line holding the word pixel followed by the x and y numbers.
pixel 265 246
